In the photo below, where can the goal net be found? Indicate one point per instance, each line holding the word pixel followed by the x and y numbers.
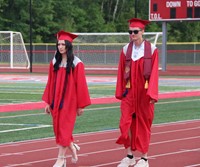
pixel 100 51
pixel 13 52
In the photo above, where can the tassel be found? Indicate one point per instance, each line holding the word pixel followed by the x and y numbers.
pixel 128 85
pixel 125 93
pixel 146 84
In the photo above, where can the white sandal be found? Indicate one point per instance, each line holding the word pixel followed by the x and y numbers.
pixel 77 148
pixel 64 162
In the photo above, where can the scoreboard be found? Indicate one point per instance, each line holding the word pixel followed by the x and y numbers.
pixel 174 10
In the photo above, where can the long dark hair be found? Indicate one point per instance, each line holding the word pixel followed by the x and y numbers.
pixel 70 57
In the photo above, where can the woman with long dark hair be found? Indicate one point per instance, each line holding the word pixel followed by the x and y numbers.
pixel 66 94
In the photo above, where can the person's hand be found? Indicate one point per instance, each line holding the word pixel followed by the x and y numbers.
pixel 47 109
pixel 152 101
pixel 80 111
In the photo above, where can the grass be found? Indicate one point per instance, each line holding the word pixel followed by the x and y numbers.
pixel 95 118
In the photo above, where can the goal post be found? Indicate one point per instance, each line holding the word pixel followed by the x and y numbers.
pixel 13 53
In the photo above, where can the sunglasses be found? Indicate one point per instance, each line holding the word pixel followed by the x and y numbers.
pixel 133 31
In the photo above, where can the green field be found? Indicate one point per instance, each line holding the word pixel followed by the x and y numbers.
pixel 34 124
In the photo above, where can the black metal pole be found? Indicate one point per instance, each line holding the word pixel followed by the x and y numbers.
pixel 31 47
pixel 136 8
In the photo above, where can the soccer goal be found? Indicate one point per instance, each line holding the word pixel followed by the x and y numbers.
pixel 100 51
pixel 13 52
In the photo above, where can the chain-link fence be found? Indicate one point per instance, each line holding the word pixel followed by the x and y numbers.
pixel 108 53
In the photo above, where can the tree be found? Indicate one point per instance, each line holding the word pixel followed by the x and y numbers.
pixel 14 19
pixel 50 16
pixel 184 31
pixel 43 23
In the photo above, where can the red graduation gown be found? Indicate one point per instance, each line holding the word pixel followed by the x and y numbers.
pixel 76 96
pixel 136 111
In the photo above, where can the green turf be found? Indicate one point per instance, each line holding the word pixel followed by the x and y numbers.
pixel 95 118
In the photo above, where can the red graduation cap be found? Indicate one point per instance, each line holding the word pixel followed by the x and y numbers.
pixel 135 22
pixel 62 35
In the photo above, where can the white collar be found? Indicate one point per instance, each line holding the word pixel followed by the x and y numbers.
pixel 137 52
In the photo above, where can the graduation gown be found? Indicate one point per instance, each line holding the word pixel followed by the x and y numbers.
pixel 76 96
pixel 136 110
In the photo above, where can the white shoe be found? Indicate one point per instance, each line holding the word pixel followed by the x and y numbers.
pixel 126 162
pixel 142 163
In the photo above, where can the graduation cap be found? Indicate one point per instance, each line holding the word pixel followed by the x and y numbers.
pixel 135 22
pixel 63 35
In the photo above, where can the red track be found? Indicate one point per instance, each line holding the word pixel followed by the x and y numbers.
pixel 172 145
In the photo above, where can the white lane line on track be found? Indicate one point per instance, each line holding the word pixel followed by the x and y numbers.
pixel 106 150
pixel 95 133
pixel 195 165
pixel 176 123
pixel 176 140
pixel 173 131
pixel 95 142
pixel 97 152
pixel 155 156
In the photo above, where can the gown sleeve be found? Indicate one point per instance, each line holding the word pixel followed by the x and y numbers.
pixel 120 77
pixel 83 97
pixel 153 82
pixel 47 92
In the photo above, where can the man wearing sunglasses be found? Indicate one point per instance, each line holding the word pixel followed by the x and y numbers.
pixel 137 88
